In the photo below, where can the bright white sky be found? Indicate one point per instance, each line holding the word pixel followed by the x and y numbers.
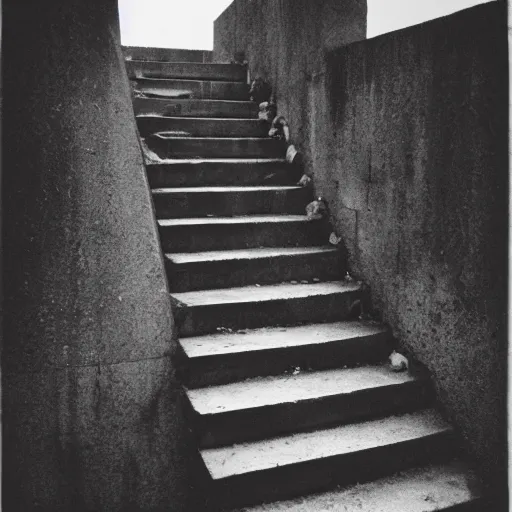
pixel 189 23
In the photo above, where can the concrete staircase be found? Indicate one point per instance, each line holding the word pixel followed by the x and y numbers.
pixel 291 399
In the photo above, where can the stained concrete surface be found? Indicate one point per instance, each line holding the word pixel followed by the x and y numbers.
pixel 91 415
pixel 302 447
pixel 415 490
pixel 406 137
pixel 420 147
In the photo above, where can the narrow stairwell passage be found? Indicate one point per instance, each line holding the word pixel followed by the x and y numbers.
pixel 291 399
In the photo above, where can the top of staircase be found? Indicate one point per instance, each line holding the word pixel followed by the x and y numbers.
pixel 166 54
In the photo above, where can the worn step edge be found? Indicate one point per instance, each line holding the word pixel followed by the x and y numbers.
pixel 221 269
pixel 271 293
pixel 246 254
pixel 268 454
pixel 251 307
pixel 227 357
pixel 270 406
pixel 245 220
pixel 423 489
pixel 250 231
pixel 272 338
pixel 288 466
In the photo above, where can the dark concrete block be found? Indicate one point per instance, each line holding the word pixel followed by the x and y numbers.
pixel 195 173
pixel 218 233
pixel 229 201
pixel 195 108
pixel 202 127
pixel 226 269
pixel 168 145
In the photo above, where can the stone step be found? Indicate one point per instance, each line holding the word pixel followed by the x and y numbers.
pixel 270 406
pixel 198 89
pixel 219 233
pixel 226 269
pixel 227 357
pixel 166 54
pixel 202 126
pixel 297 464
pixel 195 108
pixel 167 145
pixel 206 311
pixel 204 172
pixel 446 487
pixel 229 201
pixel 186 71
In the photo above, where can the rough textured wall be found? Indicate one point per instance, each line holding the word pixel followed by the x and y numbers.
pixel 416 174
pixel 285 42
pixel 91 410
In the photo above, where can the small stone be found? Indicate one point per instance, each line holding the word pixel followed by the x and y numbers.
pixel 316 280
pixel 304 282
pixel 294 282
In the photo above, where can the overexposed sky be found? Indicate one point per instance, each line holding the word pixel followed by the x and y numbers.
pixel 189 23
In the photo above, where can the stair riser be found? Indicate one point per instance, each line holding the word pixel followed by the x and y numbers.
pixel 240 236
pixel 203 127
pixel 195 108
pixel 200 204
pixel 294 480
pixel 223 369
pixel 166 54
pixel 229 274
pixel 199 89
pixel 197 320
pixel 213 173
pixel 216 148
pixel 186 71
pixel 255 424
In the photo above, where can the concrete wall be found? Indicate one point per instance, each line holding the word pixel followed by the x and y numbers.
pixel 416 174
pixel 406 136
pixel 285 41
pixel 92 416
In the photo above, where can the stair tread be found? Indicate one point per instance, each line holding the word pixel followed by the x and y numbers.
pixel 248 219
pixel 277 337
pixel 224 189
pixel 195 100
pixel 246 254
pixel 195 80
pixel 207 119
pixel 424 489
pixel 285 389
pixel 253 294
pixel 197 161
pixel 219 139
pixel 307 446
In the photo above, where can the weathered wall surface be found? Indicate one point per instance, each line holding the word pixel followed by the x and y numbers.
pixel 416 175
pixel 406 136
pixel 284 42
pixel 91 409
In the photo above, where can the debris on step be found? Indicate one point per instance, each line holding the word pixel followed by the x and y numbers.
pixel 304 181
pixel 316 209
pixel 304 282
pixel 398 362
pixel 316 280
pixel 224 330
pixel 291 154
pixel 296 370
pixel 334 239
pixel 294 282
pixel 260 91
pixel 348 278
